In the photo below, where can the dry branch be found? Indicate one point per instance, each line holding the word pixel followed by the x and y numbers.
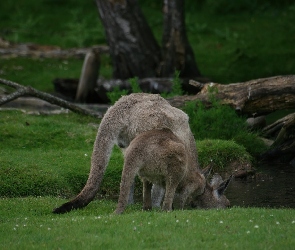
pixel 24 91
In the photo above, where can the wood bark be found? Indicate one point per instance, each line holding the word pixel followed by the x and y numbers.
pixel 133 48
pixel 283 133
pixel 11 50
pixel 24 91
pixel 255 97
pixel 176 50
pixel 88 78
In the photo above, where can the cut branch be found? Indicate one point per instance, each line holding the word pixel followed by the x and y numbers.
pixel 23 90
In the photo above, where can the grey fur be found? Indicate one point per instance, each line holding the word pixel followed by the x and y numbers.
pixel 130 116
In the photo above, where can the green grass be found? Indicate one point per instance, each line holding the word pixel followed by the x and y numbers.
pixel 51 155
pixel 46 158
pixel 27 223
pixel 222 153
pixel 232 42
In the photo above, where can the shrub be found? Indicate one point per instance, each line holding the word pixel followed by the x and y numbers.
pixel 221 122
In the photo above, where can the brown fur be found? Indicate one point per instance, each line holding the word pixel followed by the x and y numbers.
pixel 130 116
pixel 159 157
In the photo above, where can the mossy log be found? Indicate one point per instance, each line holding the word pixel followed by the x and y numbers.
pixel 255 97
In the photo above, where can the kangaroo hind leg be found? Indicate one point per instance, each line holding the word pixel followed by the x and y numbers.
pixel 171 185
pixel 128 174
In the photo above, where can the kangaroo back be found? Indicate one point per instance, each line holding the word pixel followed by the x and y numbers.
pixel 130 116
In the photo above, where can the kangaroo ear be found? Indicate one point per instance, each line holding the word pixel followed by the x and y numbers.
pixel 207 170
pixel 222 187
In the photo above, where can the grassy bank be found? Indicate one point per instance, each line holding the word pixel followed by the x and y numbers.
pixel 233 41
pixel 50 155
pixel 28 224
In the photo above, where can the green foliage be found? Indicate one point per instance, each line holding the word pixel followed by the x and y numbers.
pixel 176 85
pixel 228 48
pixel 80 32
pixel 176 89
pixel 135 88
pixel 240 6
pixel 18 22
pixel 221 122
pixel 28 223
pixel 116 94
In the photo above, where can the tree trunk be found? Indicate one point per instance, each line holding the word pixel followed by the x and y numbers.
pixel 177 52
pixel 133 48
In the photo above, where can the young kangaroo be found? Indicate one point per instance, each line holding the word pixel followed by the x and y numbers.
pixel 130 116
pixel 160 157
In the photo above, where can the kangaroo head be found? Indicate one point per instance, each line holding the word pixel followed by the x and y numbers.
pixel 213 195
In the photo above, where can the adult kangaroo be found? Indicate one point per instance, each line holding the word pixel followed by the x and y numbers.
pixel 130 116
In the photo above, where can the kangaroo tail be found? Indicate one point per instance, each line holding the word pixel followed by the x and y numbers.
pixel 100 157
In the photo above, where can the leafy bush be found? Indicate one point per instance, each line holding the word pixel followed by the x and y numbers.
pixel 135 88
pixel 176 88
pixel 221 122
pixel 116 93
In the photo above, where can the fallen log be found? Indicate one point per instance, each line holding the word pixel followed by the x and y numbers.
pixel 31 50
pixel 255 97
pixel 68 88
pixel 283 133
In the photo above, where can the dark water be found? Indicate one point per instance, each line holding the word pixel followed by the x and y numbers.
pixel 273 186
